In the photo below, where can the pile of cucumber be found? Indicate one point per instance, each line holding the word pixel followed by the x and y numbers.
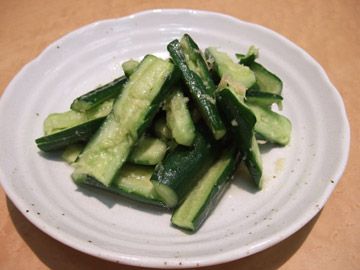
pixel 172 132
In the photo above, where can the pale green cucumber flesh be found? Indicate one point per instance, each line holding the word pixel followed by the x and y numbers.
pixel 233 75
pixel 179 119
pixel 167 194
pixel 136 179
pixel 148 151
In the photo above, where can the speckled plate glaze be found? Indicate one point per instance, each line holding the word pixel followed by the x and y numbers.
pixel 298 178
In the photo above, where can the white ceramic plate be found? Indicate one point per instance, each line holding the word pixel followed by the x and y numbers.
pixel 298 178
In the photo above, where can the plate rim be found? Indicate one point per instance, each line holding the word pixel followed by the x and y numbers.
pixel 222 257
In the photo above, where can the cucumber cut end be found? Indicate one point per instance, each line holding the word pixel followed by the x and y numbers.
pixel 129 67
pixel 167 195
pixel 149 151
pixel 79 177
pixel 254 163
pixel 218 134
pixel 72 152
pixel 182 223
pixel 81 106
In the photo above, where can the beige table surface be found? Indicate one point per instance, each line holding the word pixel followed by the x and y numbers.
pixel 328 30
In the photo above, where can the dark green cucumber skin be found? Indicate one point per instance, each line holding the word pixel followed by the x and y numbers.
pixel 232 109
pixel 266 99
pixel 218 189
pixel 91 182
pixel 246 60
pixel 243 133
pixel 183 166
pixel 196 88
pixel 99 95
pixel 254 168
pixel 61 139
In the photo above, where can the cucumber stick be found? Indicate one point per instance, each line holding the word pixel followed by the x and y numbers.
pixel 133 182
pixel 63 129
pixel 241 121
pixel 178 118
pixel 60 140
pixel 202 199
pixel 181 168
pixel 132 113
pixel 196 62
pixel 99 95
pixel 56 122
pixel 200 89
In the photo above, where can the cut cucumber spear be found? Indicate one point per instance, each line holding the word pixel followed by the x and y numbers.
pixel 99 95
pixel 241 120
pixel 133 182
pixel 176 175
pixel 132 113
pixel 187 57
pixel 203 198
